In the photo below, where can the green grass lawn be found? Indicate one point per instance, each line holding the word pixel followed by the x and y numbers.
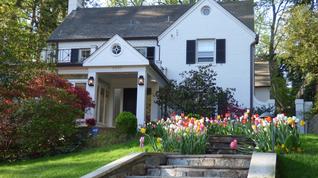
pixel 68 165
pixel 304 165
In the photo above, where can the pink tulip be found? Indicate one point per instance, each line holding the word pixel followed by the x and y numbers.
pixel 142 142
pixel 233 144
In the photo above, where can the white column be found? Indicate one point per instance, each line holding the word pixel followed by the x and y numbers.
pixel 154 106
pixel 110 108
pixel 141 98
pixel 90 112
pixel 299 108
pixel 307 108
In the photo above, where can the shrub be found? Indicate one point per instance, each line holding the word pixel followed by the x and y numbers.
pixel 40 118
pixel 196 93
pixel 126 123
pixel 44 129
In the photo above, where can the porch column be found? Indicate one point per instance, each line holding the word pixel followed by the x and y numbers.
pixel 154 106
pixel 90 112
pixel 141 99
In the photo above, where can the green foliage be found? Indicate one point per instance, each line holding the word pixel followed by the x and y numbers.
pixel 196 93
pixel 44 129
pixel 184 141
pixel 126 123
pixel 106 138
pixel 301 46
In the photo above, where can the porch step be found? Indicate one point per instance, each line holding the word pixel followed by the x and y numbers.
pixel 212 161
pixel 192 171
pixel 168 177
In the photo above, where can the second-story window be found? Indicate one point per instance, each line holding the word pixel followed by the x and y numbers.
pixel 205 50
pixel 142 50
pixel 84 53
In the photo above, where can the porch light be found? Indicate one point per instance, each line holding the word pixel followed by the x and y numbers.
pixel 141 80
pixel 91 81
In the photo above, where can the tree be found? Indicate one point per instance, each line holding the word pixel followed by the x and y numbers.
pixel 197 93
pixel 301 46
pixel 271 18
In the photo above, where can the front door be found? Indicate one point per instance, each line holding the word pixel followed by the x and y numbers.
pixel 130 100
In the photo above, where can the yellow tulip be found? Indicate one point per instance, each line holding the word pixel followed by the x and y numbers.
pixel 254 127
pixel 159 140
pixel 143 130
pixel 302 123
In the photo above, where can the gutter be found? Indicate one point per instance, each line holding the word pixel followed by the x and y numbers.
pixel 252 55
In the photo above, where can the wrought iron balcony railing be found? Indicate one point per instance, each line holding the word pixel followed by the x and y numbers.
pixel 66 56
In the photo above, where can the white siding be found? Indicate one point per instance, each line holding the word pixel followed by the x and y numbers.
pixel 235 73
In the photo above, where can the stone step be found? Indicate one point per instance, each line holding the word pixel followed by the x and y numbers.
pixel 191 171
pixel 169 177
pixel 212 161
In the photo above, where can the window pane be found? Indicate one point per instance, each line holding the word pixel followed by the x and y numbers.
pixel 205 45
pixel 206 50
pixel 142 51
pixel 81 85
pixel 85 53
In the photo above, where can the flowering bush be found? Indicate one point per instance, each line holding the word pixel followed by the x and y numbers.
pixel 40 118
pixel 186 135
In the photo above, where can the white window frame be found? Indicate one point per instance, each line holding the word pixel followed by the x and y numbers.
pixel 81 59
pixel 197 51
pixel 142 48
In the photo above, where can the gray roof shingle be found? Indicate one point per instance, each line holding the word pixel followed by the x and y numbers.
pixel 134 22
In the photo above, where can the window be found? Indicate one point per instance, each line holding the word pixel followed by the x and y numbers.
pixel 205 50
pixel 142 50
pixel 81 85
pixel 84 54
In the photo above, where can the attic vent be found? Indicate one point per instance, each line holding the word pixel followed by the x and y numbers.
pixel 116 49
pixel 205 10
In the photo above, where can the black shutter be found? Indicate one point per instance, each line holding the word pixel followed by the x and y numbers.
pixel 190 52
pixel 220 51
pixel 74 55
pixel 151 53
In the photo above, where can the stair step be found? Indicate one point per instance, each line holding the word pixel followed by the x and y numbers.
pixel 195 167
pixel 197 172
pixel 169 177
pixel 212 161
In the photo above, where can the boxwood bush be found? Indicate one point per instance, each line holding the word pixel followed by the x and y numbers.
pixel 126 123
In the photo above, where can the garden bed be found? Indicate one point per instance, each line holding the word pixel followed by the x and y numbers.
pixel 220 144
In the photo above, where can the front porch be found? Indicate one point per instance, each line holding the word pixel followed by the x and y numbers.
pixel 118 89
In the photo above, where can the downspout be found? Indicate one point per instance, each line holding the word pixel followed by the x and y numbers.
pixel 158 48
pixel 252 57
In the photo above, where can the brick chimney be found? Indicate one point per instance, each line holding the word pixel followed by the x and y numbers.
pixel 74 4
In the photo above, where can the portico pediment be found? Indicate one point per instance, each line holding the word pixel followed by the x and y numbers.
pixel 116 52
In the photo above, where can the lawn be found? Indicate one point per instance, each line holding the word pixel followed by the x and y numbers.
pixel 303 165
pixel 68 165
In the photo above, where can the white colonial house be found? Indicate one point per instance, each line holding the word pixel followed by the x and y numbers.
pixel 123 55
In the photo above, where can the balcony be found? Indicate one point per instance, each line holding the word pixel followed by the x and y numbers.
pixel 66 57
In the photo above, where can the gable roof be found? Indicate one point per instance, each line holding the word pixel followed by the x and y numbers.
pixel 134 22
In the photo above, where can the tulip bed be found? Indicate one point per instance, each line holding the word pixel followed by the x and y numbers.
pixel 189 135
